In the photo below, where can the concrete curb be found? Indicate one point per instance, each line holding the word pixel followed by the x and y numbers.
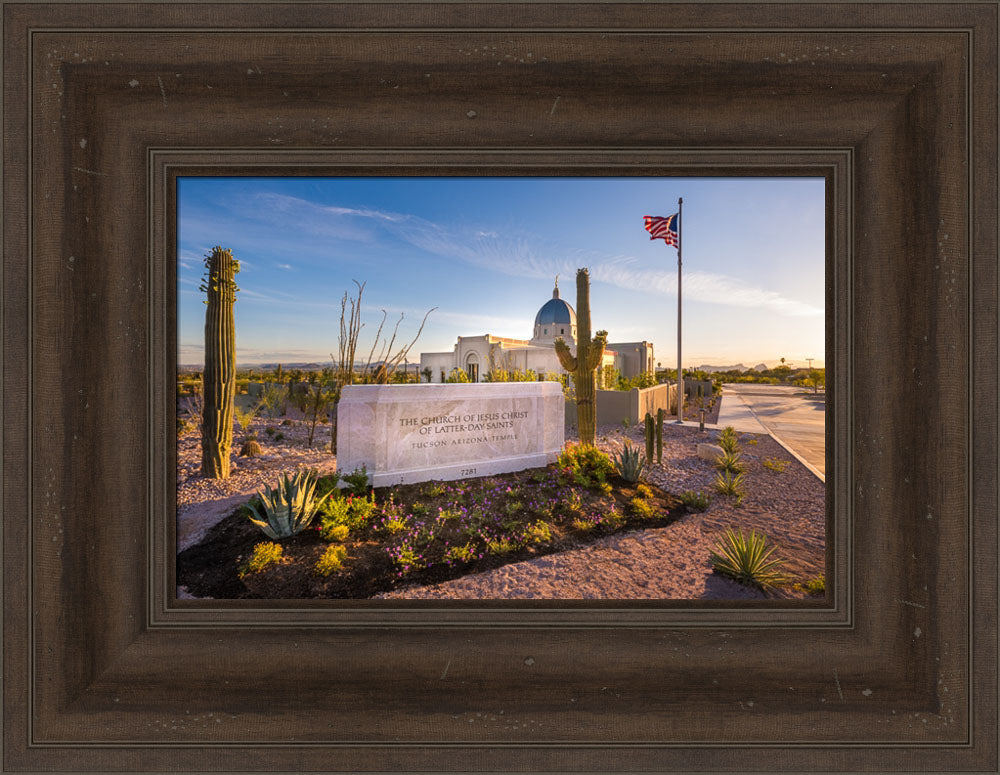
pixel 809 466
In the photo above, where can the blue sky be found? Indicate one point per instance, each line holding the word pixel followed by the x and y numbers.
pixel 485 251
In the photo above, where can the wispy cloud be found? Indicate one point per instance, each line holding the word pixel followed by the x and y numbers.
pixel 525 256
pixel 328 221
pixel 519 255
pixel 285 266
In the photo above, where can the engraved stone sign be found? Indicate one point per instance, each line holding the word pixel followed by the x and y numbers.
pixel 413 433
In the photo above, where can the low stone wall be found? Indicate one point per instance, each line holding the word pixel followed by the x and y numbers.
pixel 413 433
pixel 691 388
pixel 613 406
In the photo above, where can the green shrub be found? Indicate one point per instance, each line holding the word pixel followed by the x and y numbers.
pixel 695 501
pixel 458 375
pixel 614 518
pixel 351 512
pixel 587 465
pixel 394 525
pixel 537 533
pixel 288 508
pixel 643 491
pixel 816 586
pixel 459 553
pixel 436 489
pixel 331 560
pixel 642 508
pixel 332 532
pixel 630 463
pixel 418 509
pixel 409 560
pixel 747 559
pixel 583 524
pixel 778 466
pixel 500 546
pixel 264 556
pixel 356 481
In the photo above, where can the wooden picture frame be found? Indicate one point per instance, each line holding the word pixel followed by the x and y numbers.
pixel 104 104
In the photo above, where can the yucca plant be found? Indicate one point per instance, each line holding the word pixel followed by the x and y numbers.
pixel 288 508
pixel 728 440
pixel 630 463
pixel 730 483
pixel 747 559
pixel 730 461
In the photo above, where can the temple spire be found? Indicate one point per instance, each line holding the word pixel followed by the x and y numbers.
pixel 555 290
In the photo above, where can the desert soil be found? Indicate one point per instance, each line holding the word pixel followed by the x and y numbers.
pixel 671 562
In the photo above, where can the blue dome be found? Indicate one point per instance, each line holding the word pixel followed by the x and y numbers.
pixel 555 311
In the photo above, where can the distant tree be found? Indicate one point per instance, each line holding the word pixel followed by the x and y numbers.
pixel 426 371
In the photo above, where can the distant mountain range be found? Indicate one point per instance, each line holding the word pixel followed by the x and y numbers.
pixel 759 367
pixel 737 367
pixel 286 367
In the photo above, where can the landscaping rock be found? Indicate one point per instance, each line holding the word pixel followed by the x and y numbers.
pixel 710 452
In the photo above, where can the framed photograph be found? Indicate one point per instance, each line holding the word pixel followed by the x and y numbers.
pixel 410 457
pixel 113 663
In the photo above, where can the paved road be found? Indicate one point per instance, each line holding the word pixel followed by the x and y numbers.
pixel 794 416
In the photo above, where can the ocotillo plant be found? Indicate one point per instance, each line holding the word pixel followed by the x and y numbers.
pixel 589 354
pixel 659 434
pixel 220 363
pixel 650 435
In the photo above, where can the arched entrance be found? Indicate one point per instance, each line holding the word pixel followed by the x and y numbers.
pixel 472 366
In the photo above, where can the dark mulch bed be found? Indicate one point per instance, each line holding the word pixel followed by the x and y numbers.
pixel 497 507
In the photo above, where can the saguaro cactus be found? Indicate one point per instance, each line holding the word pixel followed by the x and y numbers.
pixel 659 435
pixel 650 436
pixel 220 363
pixel 589 354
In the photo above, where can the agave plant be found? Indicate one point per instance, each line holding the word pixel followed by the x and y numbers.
pixel 747 559
pixel 288 508
pixel 629 463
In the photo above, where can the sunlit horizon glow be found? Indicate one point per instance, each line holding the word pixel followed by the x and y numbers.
pixel 486 251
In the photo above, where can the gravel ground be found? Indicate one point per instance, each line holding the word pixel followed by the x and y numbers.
pixel 671 562
pixel 662 563
pixel 201 503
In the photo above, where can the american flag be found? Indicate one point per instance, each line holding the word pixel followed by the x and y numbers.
pixel 662 228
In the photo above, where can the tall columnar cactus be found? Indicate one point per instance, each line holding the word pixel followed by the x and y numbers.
pixel 583 367
pixel 659 434
pixel 220 363
pixel 650 436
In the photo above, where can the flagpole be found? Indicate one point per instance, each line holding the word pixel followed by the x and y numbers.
pixel 680 372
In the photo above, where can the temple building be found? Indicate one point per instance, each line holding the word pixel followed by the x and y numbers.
pixel 477 355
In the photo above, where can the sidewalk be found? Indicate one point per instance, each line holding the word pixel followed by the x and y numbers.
pixel 796 425
pixel 735 412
